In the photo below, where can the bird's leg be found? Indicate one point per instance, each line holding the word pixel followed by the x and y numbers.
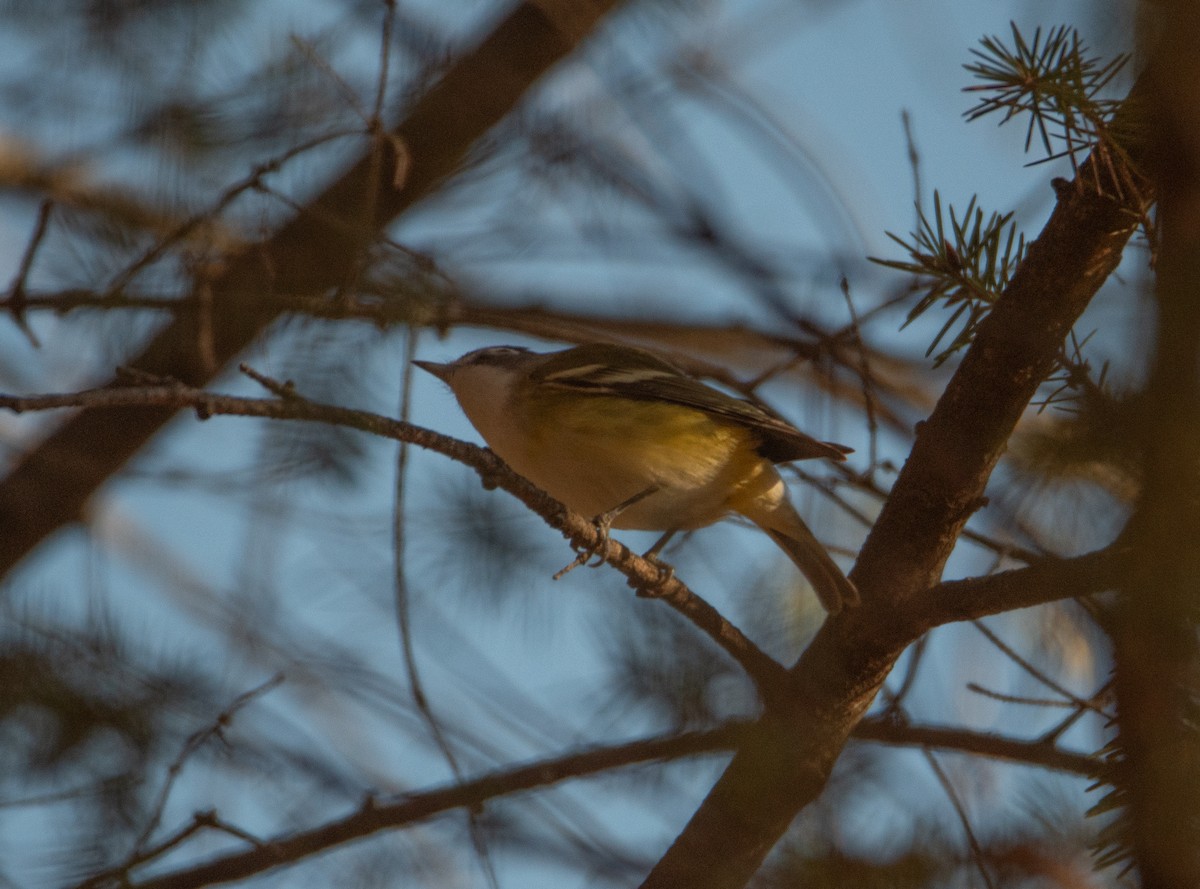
pixel 665 571
pixel 652 553
pixel 603 523
pixel 605 519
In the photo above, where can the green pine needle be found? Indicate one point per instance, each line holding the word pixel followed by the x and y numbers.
pixel 1052 79
pixel 963 262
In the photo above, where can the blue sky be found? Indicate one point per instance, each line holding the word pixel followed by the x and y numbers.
pixel 835 78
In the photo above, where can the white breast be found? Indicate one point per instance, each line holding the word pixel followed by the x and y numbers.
pixel 482 392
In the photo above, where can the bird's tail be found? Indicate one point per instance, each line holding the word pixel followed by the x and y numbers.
pixel 788 530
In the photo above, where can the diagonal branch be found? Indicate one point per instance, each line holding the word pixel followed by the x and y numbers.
pixel 315 253
pixel 644 576
pixel 377 815
pixel 784 768
pixel 955 600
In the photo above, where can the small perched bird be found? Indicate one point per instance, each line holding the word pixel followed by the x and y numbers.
pixel 620 434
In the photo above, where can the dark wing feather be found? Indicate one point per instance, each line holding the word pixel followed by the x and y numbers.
pixel 643 376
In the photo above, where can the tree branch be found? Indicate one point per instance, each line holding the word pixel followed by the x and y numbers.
pixel 1046 581
pixel 1155 627
pixel 757 351
pixel 947 602
pixel 315 253
pixel 1035 753
pixel 785 767
pixel 644 576
pixel 375 816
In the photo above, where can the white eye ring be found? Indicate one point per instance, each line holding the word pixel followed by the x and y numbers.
pixel 490 354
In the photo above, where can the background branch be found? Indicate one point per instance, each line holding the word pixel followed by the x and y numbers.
pixel 1048 580
pixel 377 815
pixel 316 252
pixel 644 576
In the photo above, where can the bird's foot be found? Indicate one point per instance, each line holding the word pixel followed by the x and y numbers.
pixel 602 524
pixel 666 573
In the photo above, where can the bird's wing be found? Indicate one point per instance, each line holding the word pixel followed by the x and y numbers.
pixel 643 376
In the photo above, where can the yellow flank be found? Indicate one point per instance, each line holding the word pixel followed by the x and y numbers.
pixel 651 433
pixel 597 451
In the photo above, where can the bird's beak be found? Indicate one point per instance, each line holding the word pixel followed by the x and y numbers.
pixel 441 371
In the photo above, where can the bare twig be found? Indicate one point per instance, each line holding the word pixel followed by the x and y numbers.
pixel 963 817
pixel 194 743
pixel 1046 580
pixel 530 316
pixel 1052 735
pixel 1018 699
pixel 120 873
pixel 376 815
pixel 1040 752
pixel 188 227
pixel 865 376
pixel 207 820
pixel 17 297
pixel 645 576
pixel 915 657
pixel 404 614
pixel 95 788
pixel 1039 675
pixel 385 58
pixel 914 159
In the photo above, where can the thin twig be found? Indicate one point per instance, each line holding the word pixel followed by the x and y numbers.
pixel 376 815
pixel 914 160
pixel 120 873
pixel 976 849
pixel 528 317
pixel 1052 736
pixel 253 181
pixel 866 378
pixel 323 65
pixel 916 655
pixel 385 56
pixel 1042 753
pixel 285 390
pixel 867 484
pixel 102 786
pixel 402 602
pixel 17 297
pixel 1018 699
pixel 644 576
pixel 404 613
pixel 194 743
pixel 1037 674
pixel 1045 580
pixel 206 820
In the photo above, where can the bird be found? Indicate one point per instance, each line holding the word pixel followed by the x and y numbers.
pixel 620 434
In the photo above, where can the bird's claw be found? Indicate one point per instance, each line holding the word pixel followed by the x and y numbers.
pixel 666 573
pixel 602 523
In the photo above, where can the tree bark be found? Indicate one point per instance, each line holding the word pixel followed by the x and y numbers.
pixel 1154 628
pixel 941 485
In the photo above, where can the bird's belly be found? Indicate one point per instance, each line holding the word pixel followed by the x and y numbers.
pixel 595 461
